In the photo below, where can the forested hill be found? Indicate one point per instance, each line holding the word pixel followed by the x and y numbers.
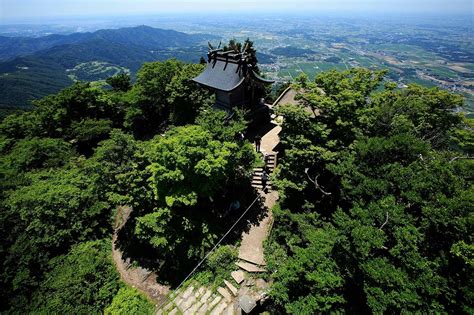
pixel 143 36
pixel 35 67
pixel 374 216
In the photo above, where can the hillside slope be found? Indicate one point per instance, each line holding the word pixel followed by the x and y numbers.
pixel 41 66
pixel 143 36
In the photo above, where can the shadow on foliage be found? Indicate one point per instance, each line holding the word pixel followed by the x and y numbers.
pixel 173 267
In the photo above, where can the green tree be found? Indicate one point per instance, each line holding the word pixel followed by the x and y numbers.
pixel 58 112
pixel 42 219
pixel 38 153
pixel 119 167
pixel 375 168
pixel 21 125
pixel 307 279
pixel 120 82
pixel 129 301
pixel 84 281
pixel 185 98
pixel 151 110
pixel 89 132
pixel 192 176
pixel 222 129
pixel 245 47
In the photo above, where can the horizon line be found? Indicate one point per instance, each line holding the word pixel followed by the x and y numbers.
pixel 222 14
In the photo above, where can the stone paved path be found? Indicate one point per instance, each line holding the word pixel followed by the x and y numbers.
pixel 195 299
pixel 251 248
pixel 271 139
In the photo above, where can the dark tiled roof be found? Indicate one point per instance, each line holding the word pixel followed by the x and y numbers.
pixel 221 75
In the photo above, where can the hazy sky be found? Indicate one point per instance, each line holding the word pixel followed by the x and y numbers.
pixel 18 9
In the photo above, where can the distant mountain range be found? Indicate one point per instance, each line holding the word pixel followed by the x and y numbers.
pixel 140 36
pixel 34 67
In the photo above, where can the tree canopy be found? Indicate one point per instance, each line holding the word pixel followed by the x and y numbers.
pixel 376 212
pixel 375 183
pixel 66 165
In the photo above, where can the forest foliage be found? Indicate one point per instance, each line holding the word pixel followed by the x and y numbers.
pixel 376 210
pixel 65 166
pixel 376 194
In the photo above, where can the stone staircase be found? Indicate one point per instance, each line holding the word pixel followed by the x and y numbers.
pixel 271 159
pixel 245 288
pixel 196 299
pixel 233 298
pixel 237 296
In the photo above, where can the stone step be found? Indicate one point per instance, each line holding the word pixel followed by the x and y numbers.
pixel 168 306
pixel 187 303
pixel 259 173
pixel 187 293
pixel 249 267
pixel 260 186
pixel 259 183
pixel 225 294
pixel 193 309
pixel 247 303
pixel 229 310
pixel 216 299
pixel 203 309
pixel 250 258
pixel 231 288
pixel 259 180
pixel 219 309
pixel 260 169
pixel 259 177
pixel 238 276
pixel 205 297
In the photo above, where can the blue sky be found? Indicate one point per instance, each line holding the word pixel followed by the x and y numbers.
pixel 17 9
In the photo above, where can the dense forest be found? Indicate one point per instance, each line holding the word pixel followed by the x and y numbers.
pixel 375 210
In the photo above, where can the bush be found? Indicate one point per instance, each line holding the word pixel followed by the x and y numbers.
pixel 218 267
pixel 82 282
pixel 129 301
pixel 222 258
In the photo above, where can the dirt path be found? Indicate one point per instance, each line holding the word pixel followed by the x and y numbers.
pixel 251 248
pixel 136 277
